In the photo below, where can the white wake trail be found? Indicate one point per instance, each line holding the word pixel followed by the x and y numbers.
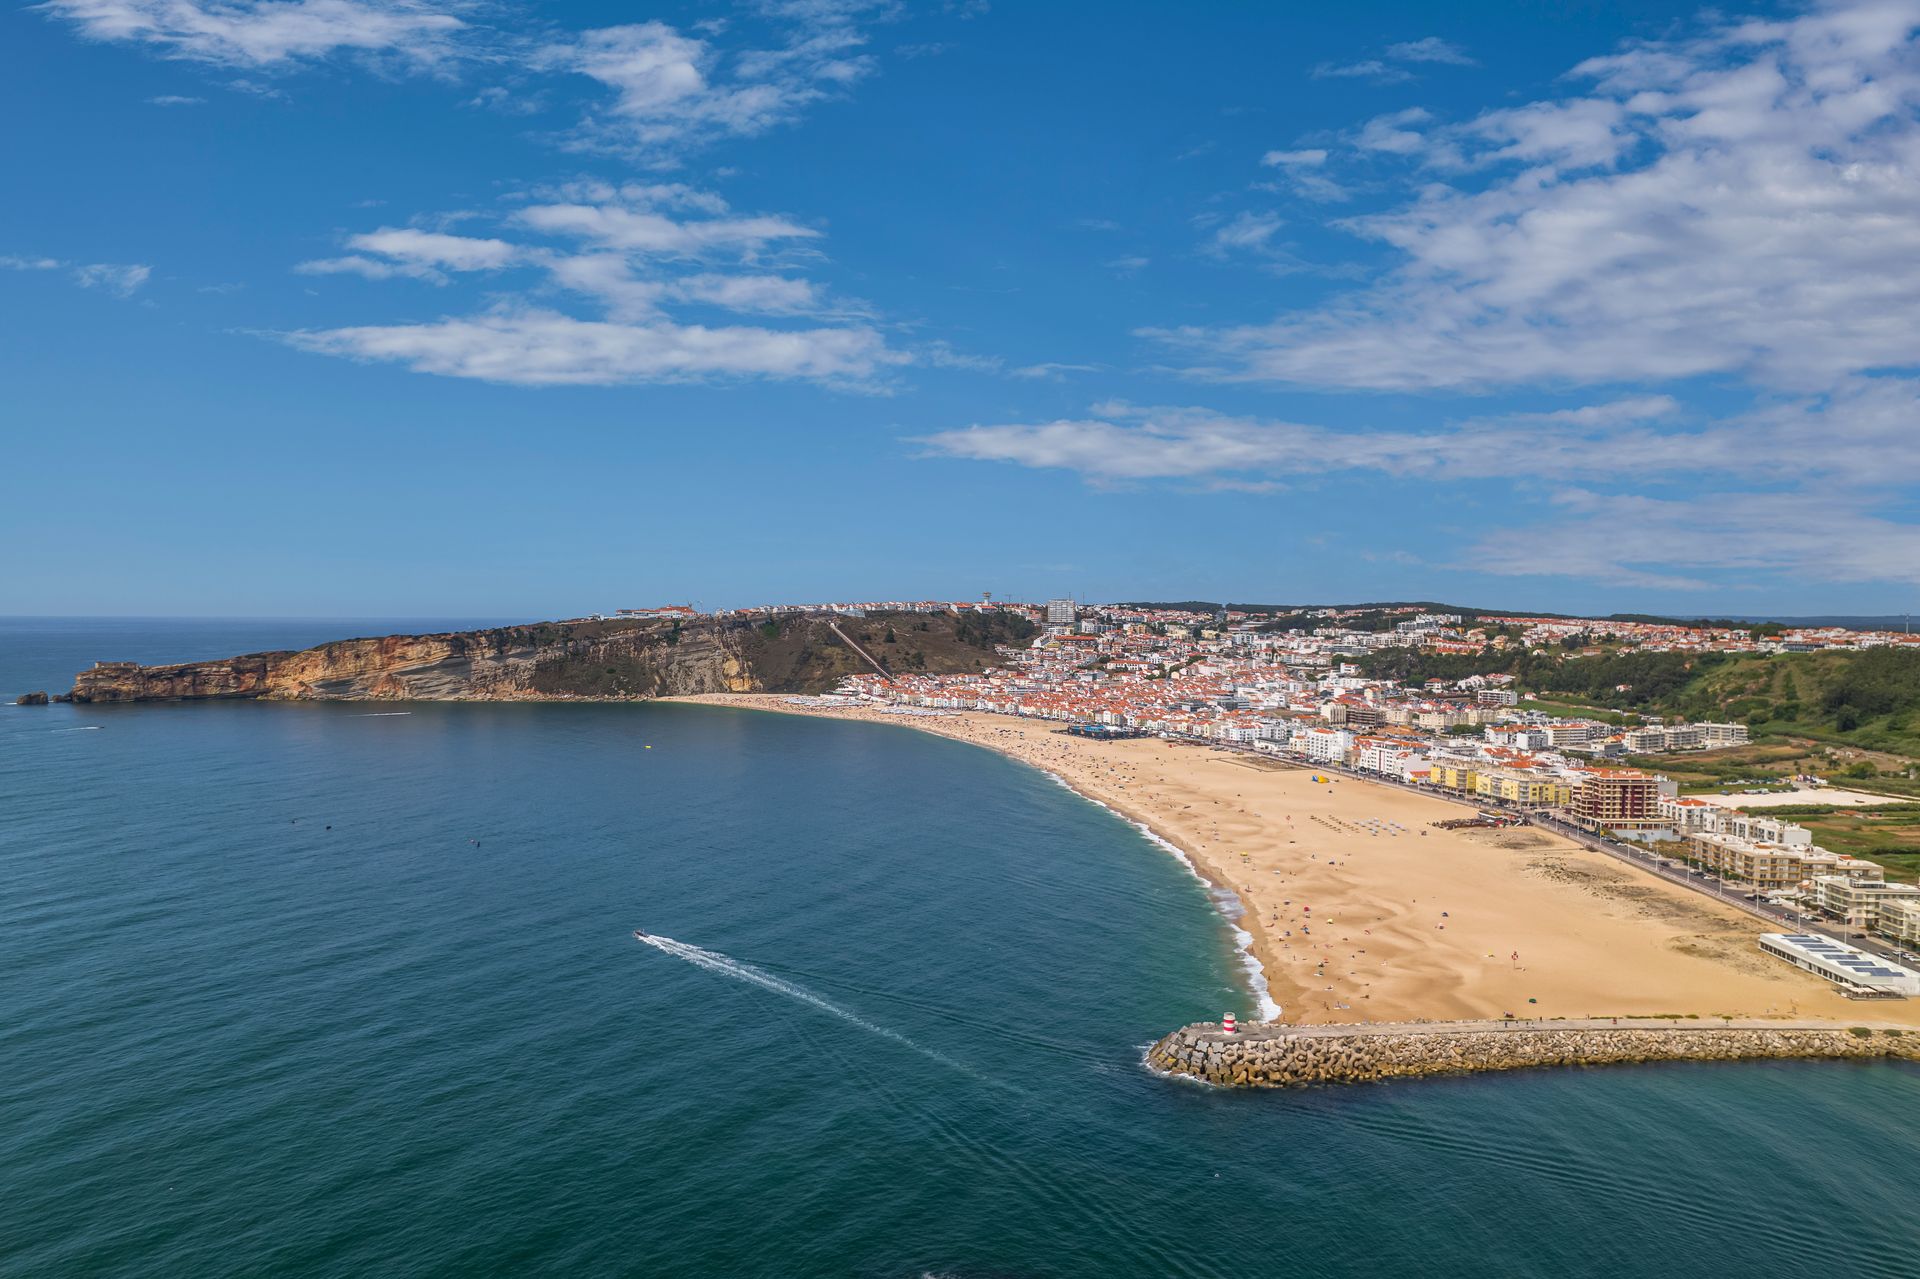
pixel 715 962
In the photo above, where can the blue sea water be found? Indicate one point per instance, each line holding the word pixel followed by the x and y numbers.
pixel 332 990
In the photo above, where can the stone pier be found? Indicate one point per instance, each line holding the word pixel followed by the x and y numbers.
pixel 1276 1055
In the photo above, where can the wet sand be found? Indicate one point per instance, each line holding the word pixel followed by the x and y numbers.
pixel 1361 910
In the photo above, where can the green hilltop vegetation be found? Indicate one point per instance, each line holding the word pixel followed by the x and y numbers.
pixel 1866 700
pixel 1472 615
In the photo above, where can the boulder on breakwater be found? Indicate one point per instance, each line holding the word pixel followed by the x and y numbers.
pixel 1275 1055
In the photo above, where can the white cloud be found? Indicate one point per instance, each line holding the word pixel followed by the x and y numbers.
pixel 1303 172
pixel 1051 371
pixel 765 294
pixel 942 355
pixel 120 279
pixel 645 230
pixel 545 348
pixel 1390 133
pixel 1430 49
pixel 1667 543
pixel 1864 433
pixel 1368 69
pixel 372 269
pixel 1811 487
pixel 259 33
pixel 175 100
pixel 410 253
pixel 436 249
pixel 1746 202
pixel 671 89
pixel 1386 68
pixel 1245 233
pixel 628 250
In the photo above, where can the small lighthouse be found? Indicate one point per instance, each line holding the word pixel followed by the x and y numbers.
pixel 1226 1023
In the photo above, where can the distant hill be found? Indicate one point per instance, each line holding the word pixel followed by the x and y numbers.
pixel 1734 621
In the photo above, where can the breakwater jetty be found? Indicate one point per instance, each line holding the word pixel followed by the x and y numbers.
pixel 1276 1055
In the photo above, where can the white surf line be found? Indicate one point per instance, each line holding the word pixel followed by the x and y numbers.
pixel 1225 901
pixel 714 961
pixel 381 714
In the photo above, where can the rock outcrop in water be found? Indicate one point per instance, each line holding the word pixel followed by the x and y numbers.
pixel 30 699
pixel 581 659
pixel 1279 1056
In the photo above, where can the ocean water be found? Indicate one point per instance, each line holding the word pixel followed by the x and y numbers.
pixel 337 990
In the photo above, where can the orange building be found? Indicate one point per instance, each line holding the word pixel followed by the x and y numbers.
pixel 1617 799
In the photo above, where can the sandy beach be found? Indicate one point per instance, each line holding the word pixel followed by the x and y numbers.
pixel 1361 910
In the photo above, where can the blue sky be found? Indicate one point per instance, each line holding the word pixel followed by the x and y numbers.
pixel 353 307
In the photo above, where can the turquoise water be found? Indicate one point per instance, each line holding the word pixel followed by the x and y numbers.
pixel 424 1041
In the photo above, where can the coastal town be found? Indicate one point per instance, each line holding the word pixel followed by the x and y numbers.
pixel 1229 679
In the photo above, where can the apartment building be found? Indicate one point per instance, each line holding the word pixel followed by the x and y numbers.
pixel 1524 787
pixel 1617 799
pixel 1900 921
pixel 1453 775
pixel 1719 736
pixel 1563 733
pixel 1858 901
pixel 1324 745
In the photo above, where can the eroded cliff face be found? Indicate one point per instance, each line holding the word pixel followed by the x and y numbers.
pixel 548 660
pixel 598 659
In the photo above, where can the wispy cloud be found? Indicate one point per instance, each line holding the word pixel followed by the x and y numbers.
pixel 1303 171
pixel 1737 495
pixel 1430 49
pixel 1051 371
pixel 1366 69
pixel 534 347
pixel 671 89
pixel 1391 66
pixel 262 33
pixel 1745 202
pixel 636 252
pixel 122 279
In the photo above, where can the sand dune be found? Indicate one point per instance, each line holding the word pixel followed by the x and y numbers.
pixel 1361 910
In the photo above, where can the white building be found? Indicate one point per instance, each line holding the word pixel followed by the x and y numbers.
pixel 1842 964
pixel 1324 745
pixel 1857 901
pixel 1717 736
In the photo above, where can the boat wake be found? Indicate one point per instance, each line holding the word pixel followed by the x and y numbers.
pixel 713 961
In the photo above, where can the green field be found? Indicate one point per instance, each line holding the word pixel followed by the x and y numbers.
pixel 1885 833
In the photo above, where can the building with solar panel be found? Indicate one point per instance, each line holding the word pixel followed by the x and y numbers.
pixel 1854 971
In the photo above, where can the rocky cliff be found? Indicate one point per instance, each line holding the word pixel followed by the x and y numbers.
pixel 1278 1056
pixel 557 660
